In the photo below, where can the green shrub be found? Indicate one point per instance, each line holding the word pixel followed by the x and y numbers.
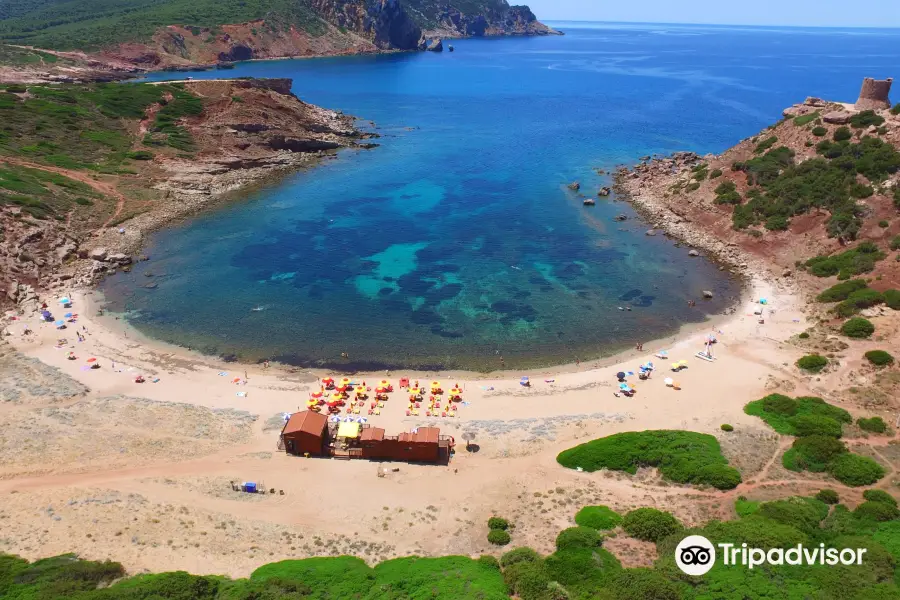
pixel 858 327
pixel 649 524
pixel 879 358
pixel 681 456
pixel 517 555
pixel 855 470
pixel 780 404
pixel 872 424
pixel 865 119
pixel 578 537
pixel 715 173
pixel 819 131
pixel 806 425
pixel 851 262
pixel 806 119
pixel 777 223
pixel 842 134
pixel 813 453
pixel 765 144
pixel 527 580
pixel 803 335
pixel 892 299
pixel 598 517
pixel 877 511
pixel 884 223
pixel 744 507
pixel 140 155
pixel 781 412
pixel 896 109
pixel 498 523
pixel 489 561
pixel 842 290
pixel 857 301
pixel 880 496
pixel 644 584
pixel 498 537
pixel 828 496
pixel 726 427
pixel 803 513
pixel 812 363
pixel 895 242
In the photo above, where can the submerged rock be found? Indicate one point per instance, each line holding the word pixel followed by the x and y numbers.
pixel 574 186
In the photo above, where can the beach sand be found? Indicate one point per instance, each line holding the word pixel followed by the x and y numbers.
pixel 141 473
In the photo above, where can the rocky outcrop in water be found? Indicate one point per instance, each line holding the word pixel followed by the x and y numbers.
pixel 493 18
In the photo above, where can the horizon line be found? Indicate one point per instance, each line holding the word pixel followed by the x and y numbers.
pixel 755 25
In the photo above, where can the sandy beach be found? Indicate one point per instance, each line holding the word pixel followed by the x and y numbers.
pixel 98 464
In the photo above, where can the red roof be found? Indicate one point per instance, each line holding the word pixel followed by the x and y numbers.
pixel 306 421
pixel 427 435
pixel 372 433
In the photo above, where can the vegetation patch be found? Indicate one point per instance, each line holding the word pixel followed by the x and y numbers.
pixel 806 119
pixel 860 259
pixel 872 424
pixel 598 517
pixel 828 496
pixel 812 363
pixel 855 470
pixel 842 290
pixel 784 414
pixel 879 358
pixel 650 524
pixel 681 456
pixel 858 328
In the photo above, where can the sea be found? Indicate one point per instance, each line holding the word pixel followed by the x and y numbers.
pixel 456 244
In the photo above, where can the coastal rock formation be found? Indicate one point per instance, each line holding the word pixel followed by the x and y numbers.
pixel 384 22
pixel 236 141
pixel 436 46
pixel 874 94
pixel 837 117
pixel 495 17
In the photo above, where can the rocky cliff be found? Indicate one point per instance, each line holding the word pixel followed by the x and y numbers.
pixel 823 179
pixel 86 219
pixel 488 18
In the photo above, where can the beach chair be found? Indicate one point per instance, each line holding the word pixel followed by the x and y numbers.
pixel 427 413
pixel 377 412
pixel 370 412
pixel 415 413
pixel 355 411
pixel 408 413
pixel 443 413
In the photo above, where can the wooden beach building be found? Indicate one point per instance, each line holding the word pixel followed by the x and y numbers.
pixel 309 432
pixel 305 432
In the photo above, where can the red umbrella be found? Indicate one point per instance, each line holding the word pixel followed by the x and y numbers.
pixel 91 359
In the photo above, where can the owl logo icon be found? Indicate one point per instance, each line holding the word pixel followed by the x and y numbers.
pixel 695 555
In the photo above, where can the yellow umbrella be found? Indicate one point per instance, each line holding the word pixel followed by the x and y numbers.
pixel 415 392
pixel 337 396
pixel 360 391
pixel 385 383
pixel 345 381
pixel 435 384
pixel 682 363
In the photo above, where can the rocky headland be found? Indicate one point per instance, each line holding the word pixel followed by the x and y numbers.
pixel 717 203
pixel 84 223
pixel 188 42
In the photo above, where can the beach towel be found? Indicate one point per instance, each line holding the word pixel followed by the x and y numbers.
pixel 223 374
pixel 241 394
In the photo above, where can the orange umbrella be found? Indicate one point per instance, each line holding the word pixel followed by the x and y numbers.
pixel 318 394
pixel 327 380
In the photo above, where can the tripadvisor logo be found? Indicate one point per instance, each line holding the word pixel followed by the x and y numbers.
pixel 696 555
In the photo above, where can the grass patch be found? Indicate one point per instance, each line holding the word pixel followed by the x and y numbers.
pixel 806 119
pixel 681 456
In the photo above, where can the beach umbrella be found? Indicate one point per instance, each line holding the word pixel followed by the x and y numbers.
pixel 682 363
pixel 345 381
pixel 385 383
pixel 668 381
pixel 68 315
pixel 60 324
pixel 318 394
pixel 65 300
pixel 623 386
pixel 92 359
pixel 620 375
pixel 46 314
pixel 435 385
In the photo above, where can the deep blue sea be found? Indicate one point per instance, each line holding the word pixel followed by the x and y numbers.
pixel 456 241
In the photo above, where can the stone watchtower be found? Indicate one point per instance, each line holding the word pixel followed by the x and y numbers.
pixel 874 94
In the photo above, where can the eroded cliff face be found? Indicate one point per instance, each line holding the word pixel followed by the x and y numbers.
pixel 494 18
pixel 383 22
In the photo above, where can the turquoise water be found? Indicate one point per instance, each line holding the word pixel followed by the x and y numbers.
pixel 456 241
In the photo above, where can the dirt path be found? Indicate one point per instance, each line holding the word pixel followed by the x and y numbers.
pixel 100 187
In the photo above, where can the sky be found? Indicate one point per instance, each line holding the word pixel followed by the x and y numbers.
pixel 817 13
